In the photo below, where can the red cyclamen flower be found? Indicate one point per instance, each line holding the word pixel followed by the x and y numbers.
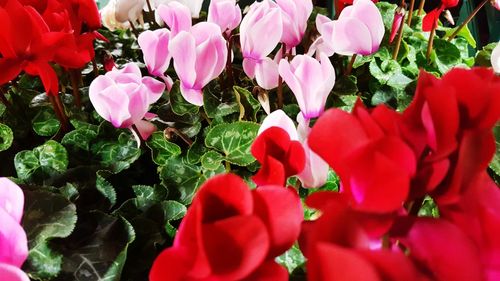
pixel 232 233
pixel 279 156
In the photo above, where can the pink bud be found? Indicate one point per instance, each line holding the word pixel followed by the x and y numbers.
pixel 123 96
pixel 399 14
pixel 154 46
pixel 310 81
pixel 358 30
pixel 225 13
pixel 199 57
pixel 257 38
pixel 295 14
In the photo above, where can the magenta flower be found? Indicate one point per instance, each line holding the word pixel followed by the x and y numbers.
pixel 358 30
pixel 225 13
pixel 154 46
pixel 258 40
pixel 310 81
pixel 199 57
pixel 123 96
pixel 294 15
pixel 13 240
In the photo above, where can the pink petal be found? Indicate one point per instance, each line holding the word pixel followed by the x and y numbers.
pixel 11 199
pixel 351 36
pixel 154 45
pixel 176 16
pixel 368 13
pixel 183 50
pixel 266 74
pixel 154 88
pixel 12 273
pixel 193 96
pixel 145 128
pixel 109 100
pixel 278 118
pixel 249 66
pixel 13 241
pixel 315 172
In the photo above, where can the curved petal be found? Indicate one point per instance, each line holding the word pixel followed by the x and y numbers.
pixel 154 46
pixel 13 241
pixel 193 96
pixel 266 74
pixel 351 36
pixel 11 199
pixel 177 16
pixel 183 50
pixel 278 118
pixel 12 273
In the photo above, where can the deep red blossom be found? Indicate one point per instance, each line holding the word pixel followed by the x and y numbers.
pixel 374 164
pixel 338 246
pixel 232 233
pixel 279 156
pixel 449 127
pixel 431 19
pixel 26 44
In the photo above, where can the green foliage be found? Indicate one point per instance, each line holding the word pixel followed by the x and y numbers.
pixel 162 149
pixel 6 137
pixel 48 159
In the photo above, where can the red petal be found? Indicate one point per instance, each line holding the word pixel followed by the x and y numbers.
pixel 269 271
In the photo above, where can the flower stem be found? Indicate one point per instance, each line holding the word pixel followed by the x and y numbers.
pixel 95 69
pixel 410 12
pixel 467 20
pixel 280 80
pixel 59 110
pixel 431 41
pixel 229 65
pixel 421 7
pixel 350 65
pixel 400 38
pixel 75 76
pixel 134 29
pixel 170 130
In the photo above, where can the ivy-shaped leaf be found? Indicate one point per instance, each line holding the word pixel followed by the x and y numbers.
pixel 211 160
pixel 248 101
pixel 234 141
pixel 179 105
pixel 117 156
pixel 216 104
pixel 384 70
pixel 146 195
pixel 48 159
pixel 105 187
pixel 162 149
pixel 46 216
pixel 6 137
pixel 45 123
pixel 172 210
pixel 80 138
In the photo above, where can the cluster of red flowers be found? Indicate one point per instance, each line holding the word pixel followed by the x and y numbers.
pixel 388 163
pixel 36 33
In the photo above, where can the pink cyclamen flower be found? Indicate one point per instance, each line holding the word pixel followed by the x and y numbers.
pixel 225 13
pixel 154 46
pixel 13 240
pixel 199 57
pixel 399 14
pixel 176 16
pixel 358 30
pixel 496 4
pixel 295 14
pixel 495 58
pixel 123 96
pixel 194 6
pixel 258 40
pixel 310 81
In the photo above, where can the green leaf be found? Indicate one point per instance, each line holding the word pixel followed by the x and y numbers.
pixel 465 33
pixel 216 104
pixel 291 259
pixel 447 55
pixel 52 157
pixel 248 101
pixel 117 156
pixel 6 137
pixel 80 138
pixel 346 85
pixel 179 105
pixel 146 196
pixel 162 149
pixel 195 151
pixel 105 187
pixel 429 208
pixel 234 141
pixel 99 247
pixel 384 70
pixel 45 123
pixel 47 216
pixel 495 163
pixel 483 57
pixel 399 81
pixel 48 159
pixel 387 12
pixel 172 210
pixel 211 160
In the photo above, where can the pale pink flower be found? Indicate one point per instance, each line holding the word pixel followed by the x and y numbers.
pixel 199 57
pixel 12 273
pixel 495 58
pixel 123 96
pixel 311 82
pixel 154 46
pixel 295 14
pixel 176 16
pixel 225 13
pixel 358 30
pixel 260 32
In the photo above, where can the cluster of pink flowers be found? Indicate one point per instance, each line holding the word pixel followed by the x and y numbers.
pixel 13 241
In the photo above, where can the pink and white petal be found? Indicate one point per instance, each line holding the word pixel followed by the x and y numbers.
pixel 266 74
pixel 292 82
pixel 183 51
pixel 278 118
pixel 263 38
pixel 12 273
pixel 315 172
pixel 176 16
pixel 13 241
pixel 321 20
pixel 351 36
pixel 367 12
pixel 192 96
pixel 495 57
pixel 249 66
pixel 11 199
pixel 113 106
pixel 155 89
pixel 145 128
